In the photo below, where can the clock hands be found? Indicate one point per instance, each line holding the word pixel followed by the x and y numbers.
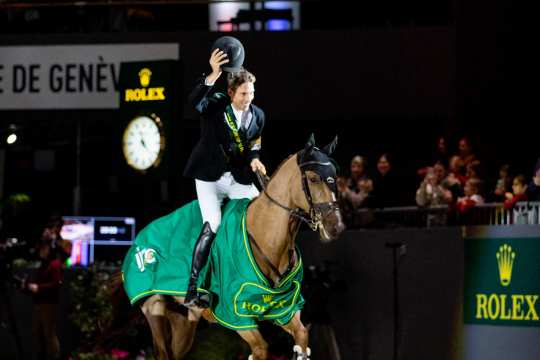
pixel 142 140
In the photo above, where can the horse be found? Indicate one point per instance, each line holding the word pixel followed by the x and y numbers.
pixel 303 189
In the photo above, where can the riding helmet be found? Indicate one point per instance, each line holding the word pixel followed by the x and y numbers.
pixel 234 50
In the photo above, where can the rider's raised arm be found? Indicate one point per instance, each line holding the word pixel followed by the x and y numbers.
pixel 199 96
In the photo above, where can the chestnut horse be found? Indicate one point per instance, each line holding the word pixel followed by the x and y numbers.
pixel 302 189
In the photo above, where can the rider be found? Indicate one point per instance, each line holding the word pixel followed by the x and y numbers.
pixel 227 152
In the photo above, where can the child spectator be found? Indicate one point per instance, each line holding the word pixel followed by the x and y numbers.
pixel 472 196
pixel 519 188
pixel 503 185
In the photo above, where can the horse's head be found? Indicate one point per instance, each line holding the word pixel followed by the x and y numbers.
pixel 317 194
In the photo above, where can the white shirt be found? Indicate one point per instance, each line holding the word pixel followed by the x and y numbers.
pixel 238 115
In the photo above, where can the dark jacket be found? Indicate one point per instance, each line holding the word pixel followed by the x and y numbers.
pixel 216 152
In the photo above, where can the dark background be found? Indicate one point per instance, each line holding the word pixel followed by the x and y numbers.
pixel 384 78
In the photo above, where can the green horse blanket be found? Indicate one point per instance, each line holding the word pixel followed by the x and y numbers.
pixel 159 262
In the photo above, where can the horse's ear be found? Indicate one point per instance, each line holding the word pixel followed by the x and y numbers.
pixel 329 149
pixel 309 145
pixel 311 140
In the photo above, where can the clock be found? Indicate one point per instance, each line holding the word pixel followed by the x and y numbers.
pixel 143 142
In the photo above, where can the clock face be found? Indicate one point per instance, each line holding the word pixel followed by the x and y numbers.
pixel 143 142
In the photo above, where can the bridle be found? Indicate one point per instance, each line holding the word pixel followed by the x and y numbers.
pixel 317 211
pixel 314 218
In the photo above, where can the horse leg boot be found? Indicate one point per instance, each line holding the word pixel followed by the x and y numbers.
pixel 300 335
pixel 200 256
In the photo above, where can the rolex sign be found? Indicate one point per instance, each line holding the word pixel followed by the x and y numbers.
pixel 501 298
pixel 502 283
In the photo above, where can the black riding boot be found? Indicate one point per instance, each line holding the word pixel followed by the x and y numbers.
pixel 200 255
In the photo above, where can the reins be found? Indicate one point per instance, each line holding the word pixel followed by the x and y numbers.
pixel 313 219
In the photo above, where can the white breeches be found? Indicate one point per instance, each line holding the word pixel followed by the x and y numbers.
pixel 212 193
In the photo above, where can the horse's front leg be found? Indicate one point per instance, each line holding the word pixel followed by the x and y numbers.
pixel 301 337
pixel 259 347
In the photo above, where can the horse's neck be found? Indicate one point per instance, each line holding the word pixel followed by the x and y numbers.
pixel 269 224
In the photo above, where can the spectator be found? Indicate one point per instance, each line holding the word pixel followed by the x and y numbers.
pixel 466 151
pixel 355 189
pixel 358 172
pixel 456 169
pixel 350 200
pixel 440 156
pixel 439 170
pixel 503 185
pixel 385 185
pixel 519 188
pixel 431 192
pixel 473 170
pixel 533 189
pixel 455 179
pixel 471 196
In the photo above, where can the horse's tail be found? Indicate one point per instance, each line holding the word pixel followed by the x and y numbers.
pixel 123 314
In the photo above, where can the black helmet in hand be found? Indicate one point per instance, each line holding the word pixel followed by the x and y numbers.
pixel 234 50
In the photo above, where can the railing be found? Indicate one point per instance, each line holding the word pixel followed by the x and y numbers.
pixel 524 213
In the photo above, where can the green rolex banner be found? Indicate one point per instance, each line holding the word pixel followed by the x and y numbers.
pixel 501 299
pixel 502 281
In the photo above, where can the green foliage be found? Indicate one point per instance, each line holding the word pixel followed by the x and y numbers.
pixel 92 308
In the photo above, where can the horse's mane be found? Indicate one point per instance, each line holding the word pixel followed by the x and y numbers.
pixel 269 179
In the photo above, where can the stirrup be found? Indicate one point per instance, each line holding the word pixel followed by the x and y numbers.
pixel 199 300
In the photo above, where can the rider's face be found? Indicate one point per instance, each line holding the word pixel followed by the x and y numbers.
pixel 243 96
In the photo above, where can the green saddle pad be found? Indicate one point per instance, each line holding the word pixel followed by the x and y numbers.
pixel 159 262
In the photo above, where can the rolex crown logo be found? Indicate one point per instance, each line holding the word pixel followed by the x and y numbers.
pixel 505 260
pixel 267 298
pixel 144 76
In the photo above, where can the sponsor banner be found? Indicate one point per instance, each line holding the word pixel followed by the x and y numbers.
pixel 502 281
pixel 72 76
